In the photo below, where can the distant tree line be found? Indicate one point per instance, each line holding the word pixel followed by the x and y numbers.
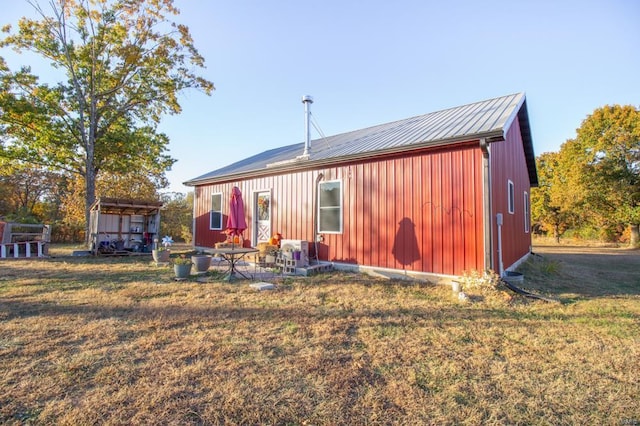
pixel 31 194
pixel 119 67
pixel 591 188
pixel 123 63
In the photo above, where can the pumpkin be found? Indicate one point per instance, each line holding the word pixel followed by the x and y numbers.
pixel 275 240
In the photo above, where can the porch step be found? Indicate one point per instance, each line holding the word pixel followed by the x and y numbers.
pixel 308 270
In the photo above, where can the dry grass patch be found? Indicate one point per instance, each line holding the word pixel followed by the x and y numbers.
pixel 114 341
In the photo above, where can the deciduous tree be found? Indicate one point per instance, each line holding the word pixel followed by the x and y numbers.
pixel 177 215
pixel 604 164
pixel 549 209
pixel 124 62
pixel 25 191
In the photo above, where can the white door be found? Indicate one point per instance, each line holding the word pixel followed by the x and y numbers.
pixel 262 210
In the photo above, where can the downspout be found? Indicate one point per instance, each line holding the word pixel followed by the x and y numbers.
pixel 486 204
pixel 499 222
pixel 315 215
pixel 193 219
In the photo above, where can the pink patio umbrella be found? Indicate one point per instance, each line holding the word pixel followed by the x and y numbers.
pixel 236 222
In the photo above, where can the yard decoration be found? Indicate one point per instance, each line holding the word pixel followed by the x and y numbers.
pixel 166 242
pixel 275 240
pixel 161 254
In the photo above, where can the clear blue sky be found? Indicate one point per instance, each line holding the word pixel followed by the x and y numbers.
pixel 371 62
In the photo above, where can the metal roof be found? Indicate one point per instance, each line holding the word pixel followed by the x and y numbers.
pixel 126 206
pixel 487 119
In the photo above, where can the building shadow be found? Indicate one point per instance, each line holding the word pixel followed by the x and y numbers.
pixel 405 245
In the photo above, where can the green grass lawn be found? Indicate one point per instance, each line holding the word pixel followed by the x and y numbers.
pixel 117 341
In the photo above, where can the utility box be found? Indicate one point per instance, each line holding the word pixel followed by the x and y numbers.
pixel 297 245
pixel 121 226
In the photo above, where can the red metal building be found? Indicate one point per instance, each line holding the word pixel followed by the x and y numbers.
pixel 441 193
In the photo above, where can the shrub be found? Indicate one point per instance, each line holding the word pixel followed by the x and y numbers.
pixel 486 281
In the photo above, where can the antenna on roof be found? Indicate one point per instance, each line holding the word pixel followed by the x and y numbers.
pixel 307 100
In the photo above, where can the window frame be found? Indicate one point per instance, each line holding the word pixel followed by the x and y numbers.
pixel 527 212
pixel 511 197
pixel 211 212
pixel 340 208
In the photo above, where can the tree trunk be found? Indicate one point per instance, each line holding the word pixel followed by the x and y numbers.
pixel 90 197
pixel 634 239
pixel 556 233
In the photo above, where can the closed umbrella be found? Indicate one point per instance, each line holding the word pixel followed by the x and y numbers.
pixel 236 222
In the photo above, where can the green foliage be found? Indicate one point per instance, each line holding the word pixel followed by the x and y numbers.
pixel 132 185
pixel 30 194
pixel 177 215
pixel 586 233
pixel 549 211
pixel 27 193
pixel 605 159
pixel 124 65
pixel 182 260
pixel 186 233
pixel 593 183
pixel 550 267
pixel 67 232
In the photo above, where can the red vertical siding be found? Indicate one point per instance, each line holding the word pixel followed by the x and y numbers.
pixel 419 212
pixel 508 163
pixel 436 205
pixel 473 209
pixel 457 206
pixel 365 240
pixel 416 180
pixel 384 206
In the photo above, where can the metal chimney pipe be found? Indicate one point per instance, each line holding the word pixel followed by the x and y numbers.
pixel 307 100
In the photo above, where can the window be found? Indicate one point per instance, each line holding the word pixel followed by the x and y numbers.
pixel 526 212
pixel 215 215
pixel 330 207
pixel 512 197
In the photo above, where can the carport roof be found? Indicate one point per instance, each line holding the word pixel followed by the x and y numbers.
pixel 126 206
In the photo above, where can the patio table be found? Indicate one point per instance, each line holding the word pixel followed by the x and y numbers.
pixel 232 256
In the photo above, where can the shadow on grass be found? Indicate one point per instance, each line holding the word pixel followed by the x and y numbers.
pixel 178 315
pixel 566 272
pixel 72 273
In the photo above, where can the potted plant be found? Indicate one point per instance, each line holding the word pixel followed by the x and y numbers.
pixel 270 255
pixel 161 254
pixel 182 267
pixel 202 262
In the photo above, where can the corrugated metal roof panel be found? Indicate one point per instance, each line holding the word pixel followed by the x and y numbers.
pixel 447 126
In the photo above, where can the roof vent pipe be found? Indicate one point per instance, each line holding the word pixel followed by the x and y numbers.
pixel 307 100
